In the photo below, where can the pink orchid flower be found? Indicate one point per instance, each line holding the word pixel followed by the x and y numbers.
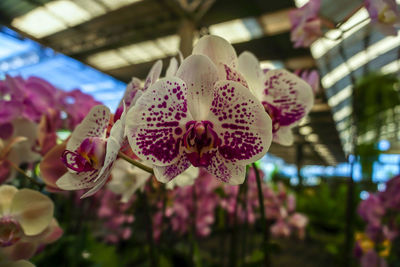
pixel 306 25
pixel 90 153
pixel 115 216
pixel 285 97
pixel 384 15
pixel 197 119
pixel 26 222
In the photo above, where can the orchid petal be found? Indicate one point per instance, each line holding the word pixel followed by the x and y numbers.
pixel 19 263
pixel 76 181
pixel 52 168
pixel 180 55
pixel 33 210
pixel 227 172
pixel 100 181
pixel 153 75
pixel 94 125
pixel 131 92
pixel 165 174
pixel 127 179
pixel 22 152
pixel 291 95
pixel 231 74
pixel 199 74
pixel 18 252
pixel 284 136
pixel 154 130
pixel 217 49
pixel 241 122
pixel 9 110
pixel 7 193
pixel 52 233
pixel 172 68
pixel 114 143
pixel 113 147
pixel 185 178
pixel 249 67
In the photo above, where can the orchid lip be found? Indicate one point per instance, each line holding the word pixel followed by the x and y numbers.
pixel 199 140
pixel 10 232
pixel 88 157
pixel 76 162
pixel 273 112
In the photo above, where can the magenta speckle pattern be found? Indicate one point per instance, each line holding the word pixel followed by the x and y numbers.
pixel 284 93
pixel 225 171
pixel 171 171
pixel 161 117
pixel 98 123
pixel 233 75
pixel 236 115
pixel 131 90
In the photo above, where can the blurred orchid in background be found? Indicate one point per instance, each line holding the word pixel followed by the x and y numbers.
pixel 126 179
pixel 26 222
pixel 311 77
pixel 384 15
pixel 305 24
pixel 380 213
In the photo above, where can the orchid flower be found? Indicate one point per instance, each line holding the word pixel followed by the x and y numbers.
pixel 17 148
pixel 285 97
pixel 306 25
pixel 311 77
pixel 26 221
pixel 127 179
pixel 90 153
pixel 384 14
pixel 196 119
pixel 135 89
pixel 365 251
pixel 174 65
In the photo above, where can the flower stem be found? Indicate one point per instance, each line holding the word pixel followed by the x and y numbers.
pixel 264 222
pixel 21 171
pixel 235 230
pixel 135 163
pixel 149 230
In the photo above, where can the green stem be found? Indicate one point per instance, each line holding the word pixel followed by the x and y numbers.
pixel 21 171
pixel 233 248
pixel 135 163
pixel 264 222
pixel 149 230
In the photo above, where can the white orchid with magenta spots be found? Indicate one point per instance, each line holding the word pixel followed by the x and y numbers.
pixel 285 97
pixel 197 119
pixel 91 151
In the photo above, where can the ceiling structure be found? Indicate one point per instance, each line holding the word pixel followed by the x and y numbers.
pixel 123 38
